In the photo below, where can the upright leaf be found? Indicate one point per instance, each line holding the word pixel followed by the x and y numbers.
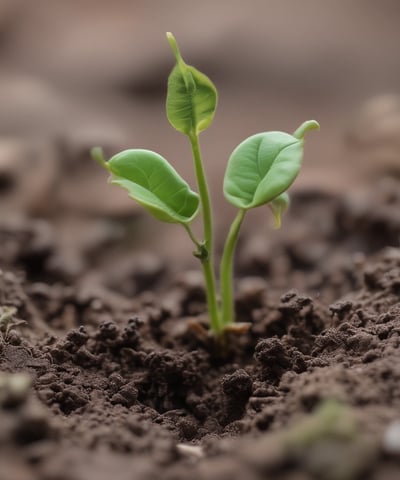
pixel 263 166
pixel 155 184
pixel 191 98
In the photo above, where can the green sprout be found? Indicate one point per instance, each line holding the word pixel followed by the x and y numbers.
pixel 259 172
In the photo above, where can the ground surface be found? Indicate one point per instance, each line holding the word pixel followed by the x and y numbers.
pixel 108 378
pixel 122 387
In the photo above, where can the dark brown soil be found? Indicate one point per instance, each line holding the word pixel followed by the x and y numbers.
pixel 123 388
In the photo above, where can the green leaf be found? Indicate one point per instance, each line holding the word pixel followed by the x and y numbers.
pixel 191 98
pixel 263 166
pixel 155 184
pixel 279 206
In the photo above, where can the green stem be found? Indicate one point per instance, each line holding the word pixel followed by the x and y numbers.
pixel 203 191
pixel 226 270
pixel 206 260
pixel 212 304
pixel 191 235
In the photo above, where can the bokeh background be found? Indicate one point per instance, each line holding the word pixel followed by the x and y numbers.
pixel 77 73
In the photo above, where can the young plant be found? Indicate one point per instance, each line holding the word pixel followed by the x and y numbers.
pixel 259 172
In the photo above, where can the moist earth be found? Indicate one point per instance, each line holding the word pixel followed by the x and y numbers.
pixel 105 375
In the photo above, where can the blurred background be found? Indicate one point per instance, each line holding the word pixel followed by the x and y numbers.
pixel 78 73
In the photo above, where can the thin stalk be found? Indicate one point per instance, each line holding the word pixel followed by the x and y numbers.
pixel 203 191
pixel 212 303
pixel 191 235
pixel 226 270
pixel 207 259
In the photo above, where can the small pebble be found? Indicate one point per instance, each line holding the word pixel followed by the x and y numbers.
pixel 190 450
pixel 391 439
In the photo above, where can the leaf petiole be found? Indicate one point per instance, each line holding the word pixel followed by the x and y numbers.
pixel 192 235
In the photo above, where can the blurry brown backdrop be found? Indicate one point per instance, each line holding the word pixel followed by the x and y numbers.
pixel 76 73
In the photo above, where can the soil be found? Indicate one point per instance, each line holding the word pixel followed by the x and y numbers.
pixel 110 380
pixel 102 373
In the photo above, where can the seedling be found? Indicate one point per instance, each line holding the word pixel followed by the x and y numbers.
pixel 259 172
